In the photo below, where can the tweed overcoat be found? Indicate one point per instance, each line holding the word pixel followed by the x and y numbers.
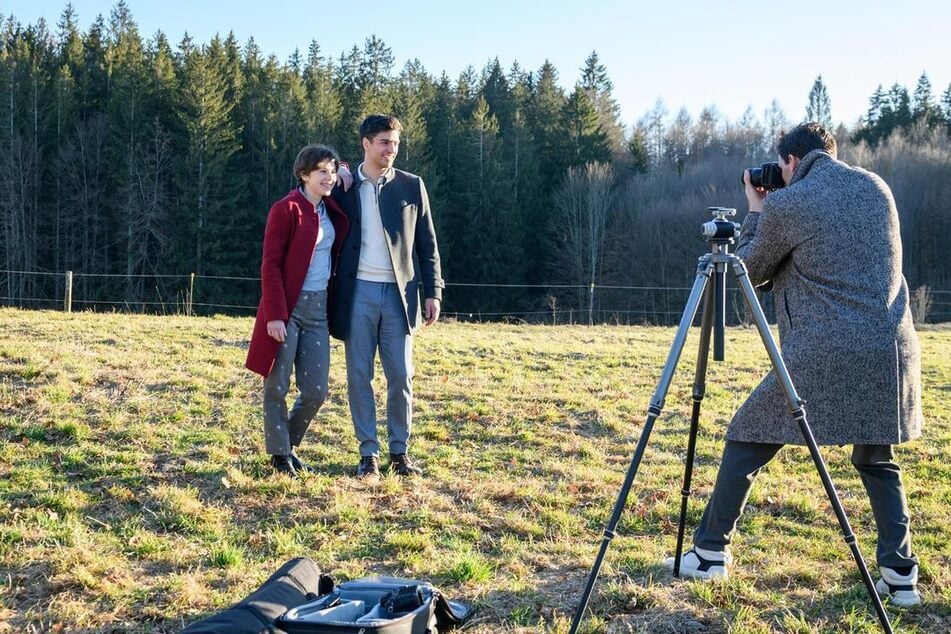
pixel 289 239
pixel 829 244
pixel 410 239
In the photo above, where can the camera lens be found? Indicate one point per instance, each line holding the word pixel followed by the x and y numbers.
pixel 769 176
pixel 756 176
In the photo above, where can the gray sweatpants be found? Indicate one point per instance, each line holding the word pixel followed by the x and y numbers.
pixel 880 475
pixel 307 349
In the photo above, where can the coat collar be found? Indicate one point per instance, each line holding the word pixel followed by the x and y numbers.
pixel 298 196
pixel 386 177
pixel 811 158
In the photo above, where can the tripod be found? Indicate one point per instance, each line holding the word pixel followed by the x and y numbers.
pixel 712 267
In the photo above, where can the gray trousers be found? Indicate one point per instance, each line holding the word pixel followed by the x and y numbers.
pixel 880 475
pixel 307 349
pixel 378 322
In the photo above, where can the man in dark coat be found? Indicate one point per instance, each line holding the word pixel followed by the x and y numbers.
pixel 388 255
pixel 829 245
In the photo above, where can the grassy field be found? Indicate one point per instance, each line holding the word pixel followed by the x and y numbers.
pixel 135 496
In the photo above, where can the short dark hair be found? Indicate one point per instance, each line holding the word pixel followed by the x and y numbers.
pixel 376 123
pixel 804 138
pixel 310 157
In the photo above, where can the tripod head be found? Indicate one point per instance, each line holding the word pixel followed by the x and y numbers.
pixel 720 233
pixel 720 230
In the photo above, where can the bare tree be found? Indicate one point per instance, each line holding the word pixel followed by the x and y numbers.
pixel 583 204
pixel 84 168
pixel 17 214
pixel 921 302
pixel 147 210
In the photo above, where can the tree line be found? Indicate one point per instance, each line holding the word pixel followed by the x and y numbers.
pixel 127 157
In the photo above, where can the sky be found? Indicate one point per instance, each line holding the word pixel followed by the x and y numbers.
pixel 688 54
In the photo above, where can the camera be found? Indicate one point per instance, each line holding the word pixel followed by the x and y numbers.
pixel 403 599
pixel 769 176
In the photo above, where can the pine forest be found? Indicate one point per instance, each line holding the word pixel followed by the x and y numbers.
pixel 134 161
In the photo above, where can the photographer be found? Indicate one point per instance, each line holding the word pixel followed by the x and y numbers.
pixel 828 244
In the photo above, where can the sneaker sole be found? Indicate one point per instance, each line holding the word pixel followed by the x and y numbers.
pixel 899 598
pixel 714 573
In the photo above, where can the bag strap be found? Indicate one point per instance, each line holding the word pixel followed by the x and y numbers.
pixel 449 614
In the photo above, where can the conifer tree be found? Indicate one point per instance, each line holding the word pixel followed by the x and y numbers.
pixel 440 118
pixel 68 63
pixel 923 107
pixel 494 224
pixel 409 95
pixel 323 108
pixel 92 77
pixel 638 152
pixel 585 139
pixel 877 118
pixel 127 110
pixel 498 94
pixel 288 108
pixel 876 107
pixel 528 202
pixel 544 120
pixel 23 63
pixel 207 189
pixel 946 107
pixel 900 106
pixel 595 81
pixel 819 107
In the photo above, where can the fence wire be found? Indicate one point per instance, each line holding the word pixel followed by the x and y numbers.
pixel 553 303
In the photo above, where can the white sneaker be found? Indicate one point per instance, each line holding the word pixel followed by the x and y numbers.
pixel 698 563
pixel 901 590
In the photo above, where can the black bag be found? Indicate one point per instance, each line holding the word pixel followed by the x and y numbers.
pixel 299 599
pixel 296 582
pixel 377 605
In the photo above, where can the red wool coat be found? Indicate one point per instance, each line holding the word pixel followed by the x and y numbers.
pixel 289 240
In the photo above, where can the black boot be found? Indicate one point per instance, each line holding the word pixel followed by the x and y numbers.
pixel 401 464
pixel 283 464
pixel 369 467
pixel 299 466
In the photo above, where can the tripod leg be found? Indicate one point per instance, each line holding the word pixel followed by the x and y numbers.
pixel 653 411
pixel 699 390
pixel 796 406
pixel 719 307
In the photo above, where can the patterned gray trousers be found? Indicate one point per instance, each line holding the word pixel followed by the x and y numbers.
pixel 307 349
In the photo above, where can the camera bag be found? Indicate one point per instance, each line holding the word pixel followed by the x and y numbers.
pixel 376 605
pixel 296 582
pixel 298 599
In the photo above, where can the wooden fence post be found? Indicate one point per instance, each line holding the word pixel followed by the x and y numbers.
pixel 191 294
pixel 591 305
pixel 68 299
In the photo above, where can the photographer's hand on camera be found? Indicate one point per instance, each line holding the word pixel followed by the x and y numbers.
pixel 754 195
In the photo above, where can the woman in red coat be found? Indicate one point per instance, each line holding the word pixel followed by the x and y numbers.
pixel 301 243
